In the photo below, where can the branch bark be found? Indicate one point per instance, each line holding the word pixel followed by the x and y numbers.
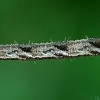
pixel 53 50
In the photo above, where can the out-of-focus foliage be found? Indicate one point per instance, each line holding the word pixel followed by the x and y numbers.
pixel 42 21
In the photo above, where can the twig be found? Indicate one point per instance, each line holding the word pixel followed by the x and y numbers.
pixel 53 50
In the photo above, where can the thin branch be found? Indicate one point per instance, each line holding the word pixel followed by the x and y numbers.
pixel 53 50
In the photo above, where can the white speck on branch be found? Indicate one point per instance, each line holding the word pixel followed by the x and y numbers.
pixel 53 50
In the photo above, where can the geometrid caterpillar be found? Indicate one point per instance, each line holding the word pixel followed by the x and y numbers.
pixel 53 50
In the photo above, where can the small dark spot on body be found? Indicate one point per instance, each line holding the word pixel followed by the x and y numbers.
pixel 25 49
pixel 61 47
pixel 12 52
pixel 94 52
pixel 59 55
pixel 22 56
pixel 46 51
pixel 95 42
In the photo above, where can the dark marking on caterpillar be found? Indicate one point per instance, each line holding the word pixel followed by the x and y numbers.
pixel 25 49
pixel 61 47
pixel 95 42
pixel 94 52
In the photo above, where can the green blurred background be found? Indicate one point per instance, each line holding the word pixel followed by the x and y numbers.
pixel 40 21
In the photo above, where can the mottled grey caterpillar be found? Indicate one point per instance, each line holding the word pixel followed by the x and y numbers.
pixel 53 50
